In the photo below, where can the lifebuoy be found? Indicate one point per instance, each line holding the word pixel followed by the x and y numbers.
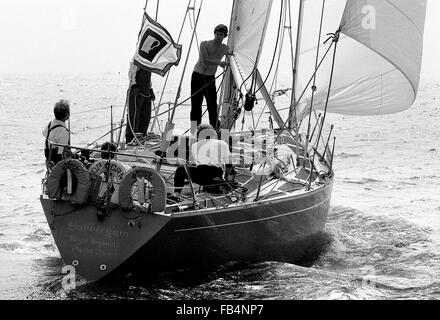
pixel 158 196
pixel 57 182
pixel 117 172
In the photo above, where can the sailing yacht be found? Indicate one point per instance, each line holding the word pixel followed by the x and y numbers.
pixel 354 57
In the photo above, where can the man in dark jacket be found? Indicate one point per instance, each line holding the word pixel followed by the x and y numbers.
pixel 139 104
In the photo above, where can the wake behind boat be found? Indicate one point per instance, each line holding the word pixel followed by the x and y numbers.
pixel 113 209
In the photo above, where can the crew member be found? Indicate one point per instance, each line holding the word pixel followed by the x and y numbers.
pixel 140 96
pixel 203 77
pixel 57 132
pixel 211 157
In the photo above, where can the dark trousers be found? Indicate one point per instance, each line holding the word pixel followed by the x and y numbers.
pixel 203 87
pixel 202 175
pixel 139 112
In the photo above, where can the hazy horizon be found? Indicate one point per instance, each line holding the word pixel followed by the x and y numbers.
pixel 95 37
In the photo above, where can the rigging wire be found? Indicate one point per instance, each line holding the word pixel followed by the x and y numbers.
pixel 186 62
pixel 335 38
pixel 193 27
pixel 282 14
pixel 311 78
pixel 314 77
pixel 274 82
pixel 168 73
pixel 218 89
pixel 144 18
pixel 255 67
pixel 157 9
pixel 91 110
pixel 293 102
pixel 287 120
pixel 252 74
pixel 292 53
pixel 198 91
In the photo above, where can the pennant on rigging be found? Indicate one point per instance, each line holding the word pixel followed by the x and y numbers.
pixel 156 50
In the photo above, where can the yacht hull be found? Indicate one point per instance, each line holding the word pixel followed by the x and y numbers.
pixel 99 243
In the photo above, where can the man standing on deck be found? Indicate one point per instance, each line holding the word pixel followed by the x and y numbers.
pixel 57 132
pixel 203 77
pixel 140 96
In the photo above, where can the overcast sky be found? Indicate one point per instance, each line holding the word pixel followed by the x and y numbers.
pixel 98 36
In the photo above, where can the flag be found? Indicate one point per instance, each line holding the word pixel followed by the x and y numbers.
pixel 156 50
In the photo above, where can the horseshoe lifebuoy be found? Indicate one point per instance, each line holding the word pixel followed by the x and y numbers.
pixel 57 182
pixel 117 172
pixel 158 196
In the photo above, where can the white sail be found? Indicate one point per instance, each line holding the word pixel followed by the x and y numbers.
pixel 249 20
pixel 378 58
pixel 248 29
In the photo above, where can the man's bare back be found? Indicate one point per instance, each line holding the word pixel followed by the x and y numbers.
pixel 210 58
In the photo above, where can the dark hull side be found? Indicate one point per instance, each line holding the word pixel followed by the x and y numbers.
pixel 277 230
pixel 97 245
pixel 286 230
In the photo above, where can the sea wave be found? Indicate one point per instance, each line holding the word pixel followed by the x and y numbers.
pixel 344 155
pixel 11 246
pixel 363 181
pixel 38 235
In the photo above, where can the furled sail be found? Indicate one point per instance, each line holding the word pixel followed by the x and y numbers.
pixel 378 59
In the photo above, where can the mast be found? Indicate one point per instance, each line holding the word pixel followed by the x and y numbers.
pixel 296 63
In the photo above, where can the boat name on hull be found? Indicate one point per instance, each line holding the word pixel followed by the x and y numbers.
pixel 107 232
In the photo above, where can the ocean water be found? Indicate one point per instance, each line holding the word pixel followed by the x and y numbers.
pixel 382 239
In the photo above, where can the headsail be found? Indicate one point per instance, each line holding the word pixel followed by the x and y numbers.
pixel 248 30
pixel 156 50
pixel 249 21
pixel 378 60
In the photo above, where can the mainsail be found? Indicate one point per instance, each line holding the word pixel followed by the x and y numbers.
pixel 378 61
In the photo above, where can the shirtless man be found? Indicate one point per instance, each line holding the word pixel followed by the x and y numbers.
pixel 203 77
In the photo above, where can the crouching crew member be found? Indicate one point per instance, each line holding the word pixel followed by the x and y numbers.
pixel 211 157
